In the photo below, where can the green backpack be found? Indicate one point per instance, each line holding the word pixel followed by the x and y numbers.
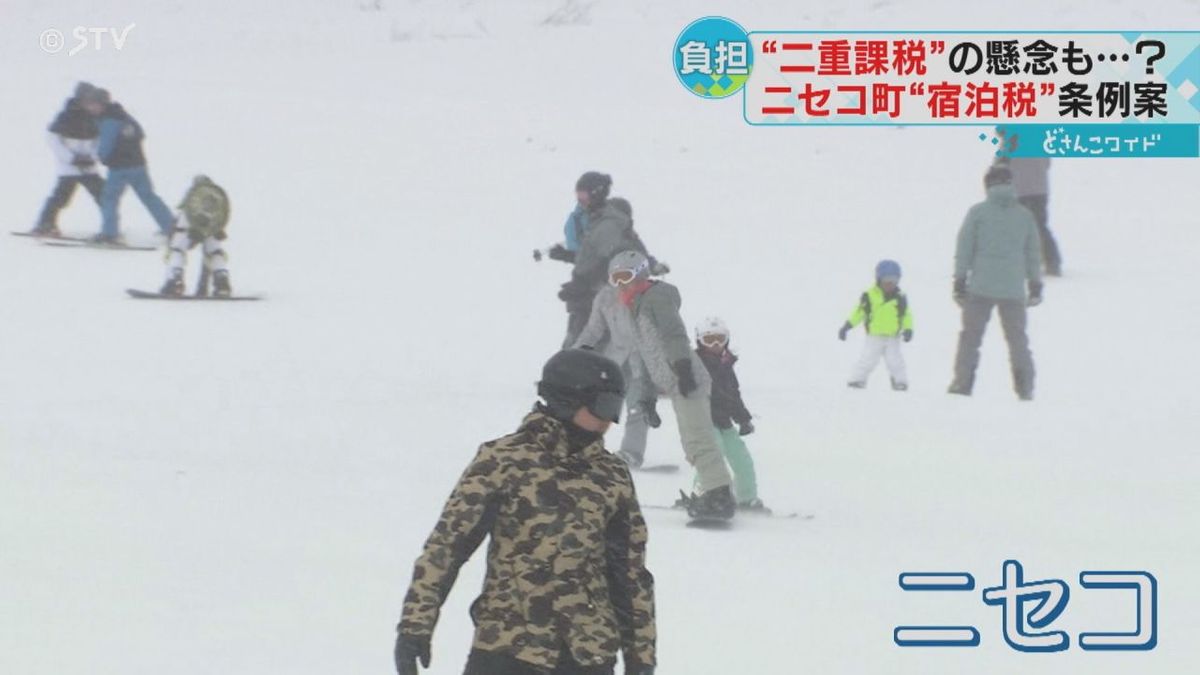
pixel 207 209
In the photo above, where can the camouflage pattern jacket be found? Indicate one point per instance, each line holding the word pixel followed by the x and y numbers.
pixel 566 563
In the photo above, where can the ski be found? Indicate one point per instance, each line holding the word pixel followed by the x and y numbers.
pixel 84 243
pixel 146 295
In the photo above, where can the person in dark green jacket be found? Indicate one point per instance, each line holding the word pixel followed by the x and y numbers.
pixel 997 264
pixel 605 229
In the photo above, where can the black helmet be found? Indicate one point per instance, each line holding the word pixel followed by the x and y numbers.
pixel 83 90
pixel 997 175
pixel 596 184
pixel 581 378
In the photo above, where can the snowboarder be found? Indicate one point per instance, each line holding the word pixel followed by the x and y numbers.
pixel 673 369
pixel 201 219
pixel 998 259
pixel 1031 183
pixel 602 230
pixel 74 138
pixel 883 310
pixel 610 329
pixel 728 409
pixel 121 151
pixel 566 585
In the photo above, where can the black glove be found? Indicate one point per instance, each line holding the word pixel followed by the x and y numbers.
pixel 1035 293
pixel 574 291
pixel 745 428
pixel 410 648
pixel 907 334
pixel 560 253
pixel 635 668
pixel 659 268
pixel 960 291
pixel 843 330
pixel 650 410
pixel 83 162
pixel 537 255
pixel 687 379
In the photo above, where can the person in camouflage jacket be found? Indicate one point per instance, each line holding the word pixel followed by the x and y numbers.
pixel 566 586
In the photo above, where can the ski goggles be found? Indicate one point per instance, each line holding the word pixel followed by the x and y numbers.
pixel 607 405
pixel 713 340
pixel 621 277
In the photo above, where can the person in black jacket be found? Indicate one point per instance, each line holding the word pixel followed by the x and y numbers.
pixel 728 409
pixel 73 137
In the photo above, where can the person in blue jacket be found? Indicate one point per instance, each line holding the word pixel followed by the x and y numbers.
pixel 121 151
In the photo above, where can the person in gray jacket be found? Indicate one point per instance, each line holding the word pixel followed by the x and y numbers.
pixel 997 260
pixel 672 368
pixel 1031 183
pixel 610 331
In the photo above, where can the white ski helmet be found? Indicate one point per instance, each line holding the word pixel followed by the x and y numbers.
pixel 712 326
pixel 629 261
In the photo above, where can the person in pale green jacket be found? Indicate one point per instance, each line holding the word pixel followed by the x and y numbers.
pixel 997 264
pixel 883 311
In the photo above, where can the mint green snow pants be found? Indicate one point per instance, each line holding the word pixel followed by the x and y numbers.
pixel 741 464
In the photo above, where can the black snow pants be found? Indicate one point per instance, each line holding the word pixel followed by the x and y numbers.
pixel 493 663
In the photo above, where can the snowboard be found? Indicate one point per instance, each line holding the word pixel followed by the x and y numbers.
pixel 657 468
pixel 84 243
pixel 147 295
pixel 710 524
pixel 779 515
pixel 49 237
pixel 71 240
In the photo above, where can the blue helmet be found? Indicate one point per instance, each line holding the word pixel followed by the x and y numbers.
pixel 886 269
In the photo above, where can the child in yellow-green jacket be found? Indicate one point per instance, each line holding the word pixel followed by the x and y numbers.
pixel 883 310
